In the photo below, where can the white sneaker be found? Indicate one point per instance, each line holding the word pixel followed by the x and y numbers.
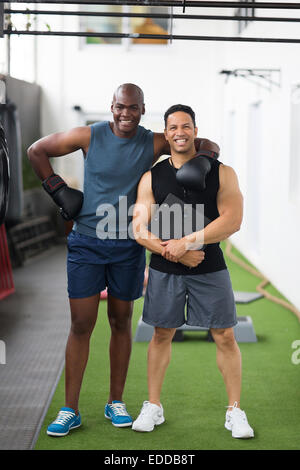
pixel 151 415
pixel 237 423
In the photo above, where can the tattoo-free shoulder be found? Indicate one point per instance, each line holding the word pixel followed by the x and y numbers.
pixel 83 136
pixel 227 176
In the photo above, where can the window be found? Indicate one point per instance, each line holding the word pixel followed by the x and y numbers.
pixel 113 19
pixel 244 12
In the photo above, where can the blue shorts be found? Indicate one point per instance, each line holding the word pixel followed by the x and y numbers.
pixel 94 264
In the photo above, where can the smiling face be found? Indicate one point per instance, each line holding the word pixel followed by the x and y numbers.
pixel 127 109
pixel 180 132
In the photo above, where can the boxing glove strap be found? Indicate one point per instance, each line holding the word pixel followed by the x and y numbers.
pixel 208 153
pixel 53 183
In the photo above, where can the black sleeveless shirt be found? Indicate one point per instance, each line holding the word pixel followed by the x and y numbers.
pixel 164 182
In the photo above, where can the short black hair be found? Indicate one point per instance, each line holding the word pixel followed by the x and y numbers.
pixel 180 107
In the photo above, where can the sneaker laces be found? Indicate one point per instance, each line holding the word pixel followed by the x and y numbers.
pixel 119 409
pixel 146 406
pixel 63 417
pixel 234 406
pixel 240 414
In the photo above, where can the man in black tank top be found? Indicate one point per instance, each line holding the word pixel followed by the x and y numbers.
pixel 181 274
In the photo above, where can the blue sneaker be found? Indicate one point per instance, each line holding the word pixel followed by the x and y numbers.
pixel 65 421
pixel 117 413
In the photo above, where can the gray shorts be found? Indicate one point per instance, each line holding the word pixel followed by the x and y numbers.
pixel 208 298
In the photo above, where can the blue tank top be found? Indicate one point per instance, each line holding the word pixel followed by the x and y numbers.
pixel 113 167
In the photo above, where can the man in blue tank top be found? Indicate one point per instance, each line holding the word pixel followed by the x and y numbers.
pixel 100 251
pixel 182 276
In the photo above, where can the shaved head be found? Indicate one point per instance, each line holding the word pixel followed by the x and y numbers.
pixel 131 89
pixel 127 108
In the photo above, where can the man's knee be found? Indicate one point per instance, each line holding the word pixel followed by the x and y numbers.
pixel 83 315
pixel 120 324
pixel 120 315
pixel 163 335
pixel 82 326
pixel 224 337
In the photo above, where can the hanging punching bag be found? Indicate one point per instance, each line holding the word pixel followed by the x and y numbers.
pixel 11 124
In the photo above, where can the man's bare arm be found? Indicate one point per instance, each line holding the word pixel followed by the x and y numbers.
pixel 230 207
pixel 143 211
pixel 56 145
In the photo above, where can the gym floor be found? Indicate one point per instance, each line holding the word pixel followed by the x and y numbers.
pixel 33 327
pixel 34 324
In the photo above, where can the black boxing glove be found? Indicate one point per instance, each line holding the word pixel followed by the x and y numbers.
pixel 69 200
pixel 193 173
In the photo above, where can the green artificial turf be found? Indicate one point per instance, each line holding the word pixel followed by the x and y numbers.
pixel 194 396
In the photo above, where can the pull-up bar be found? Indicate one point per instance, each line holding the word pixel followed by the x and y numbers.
pixel 153 36
pixel 173 3
pixel 152 15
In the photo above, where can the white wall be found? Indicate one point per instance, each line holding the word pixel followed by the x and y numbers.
pixel 72 74
pixel 228 113
pixel 263 165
